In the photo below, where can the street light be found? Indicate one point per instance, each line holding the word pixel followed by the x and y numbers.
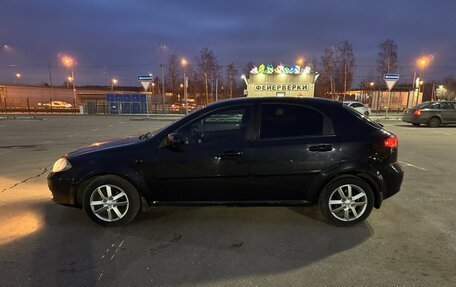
pixel 113 82
pixel 185 85
pixel 69 80
pixel 68 62
pixel 300 61
pixel 18 76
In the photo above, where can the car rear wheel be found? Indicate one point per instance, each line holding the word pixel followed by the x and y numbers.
pixel 346 201
pixel 434 122
pixel 111 200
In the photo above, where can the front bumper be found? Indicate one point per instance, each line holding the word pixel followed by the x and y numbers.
pixel 62 188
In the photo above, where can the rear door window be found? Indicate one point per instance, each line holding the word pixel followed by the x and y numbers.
pixel 290 121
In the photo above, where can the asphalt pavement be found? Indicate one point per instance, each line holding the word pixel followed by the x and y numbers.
pixel 409 241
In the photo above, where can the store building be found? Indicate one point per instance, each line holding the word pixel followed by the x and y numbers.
pixel 281 81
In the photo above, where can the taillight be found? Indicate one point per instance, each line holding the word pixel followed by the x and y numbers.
pixel 417 113
pixel 391 142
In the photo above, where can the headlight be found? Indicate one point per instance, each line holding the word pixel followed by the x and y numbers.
pixel 61 164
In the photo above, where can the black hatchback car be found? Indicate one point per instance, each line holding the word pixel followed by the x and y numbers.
pixel 250 151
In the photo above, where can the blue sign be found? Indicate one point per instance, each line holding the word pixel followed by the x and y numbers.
pixel 145 78
pixel 391 76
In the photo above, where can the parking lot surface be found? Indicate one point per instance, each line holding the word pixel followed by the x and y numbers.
pixel 410 240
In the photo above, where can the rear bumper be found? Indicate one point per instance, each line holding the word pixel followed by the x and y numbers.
pixel 409 118
pixel 392 175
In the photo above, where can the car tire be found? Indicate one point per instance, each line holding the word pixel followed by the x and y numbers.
pixel 111 200
pixel 353 207
pixel 417 125
pixel 434 122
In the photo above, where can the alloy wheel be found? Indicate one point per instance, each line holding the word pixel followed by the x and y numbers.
pixel 109 203
pixel 348 202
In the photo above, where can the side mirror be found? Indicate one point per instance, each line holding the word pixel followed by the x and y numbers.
pixel 175 139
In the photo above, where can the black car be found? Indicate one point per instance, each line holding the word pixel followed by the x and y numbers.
pixel 432 114
pixel 250 151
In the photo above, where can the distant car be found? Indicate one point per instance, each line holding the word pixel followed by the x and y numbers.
pixel 58 105
pixel 177 107
pixel 432 114
pixel 359 107
pixel 248 151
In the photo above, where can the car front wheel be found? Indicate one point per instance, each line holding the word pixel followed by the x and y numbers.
pixel 346 201
pixel 111 200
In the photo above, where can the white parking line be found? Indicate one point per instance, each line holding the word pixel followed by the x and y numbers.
pixel 448 134
pixel 94 130
pixel 412 165
pixel 46 142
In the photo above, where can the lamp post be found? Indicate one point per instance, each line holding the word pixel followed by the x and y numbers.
pixel 68 62
pixel 372 85
pixel 185 83
pixel 421 63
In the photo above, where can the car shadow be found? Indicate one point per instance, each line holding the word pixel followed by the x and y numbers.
pixel 178 245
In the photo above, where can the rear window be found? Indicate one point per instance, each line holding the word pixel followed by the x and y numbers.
pixel 364 118
pixel 422 105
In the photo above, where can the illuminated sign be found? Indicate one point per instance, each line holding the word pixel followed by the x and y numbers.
pixel 281 87
pixel 280 69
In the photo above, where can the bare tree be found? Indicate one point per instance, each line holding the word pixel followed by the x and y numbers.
pixel 230 76
pixel 326 84
pixel 387 57
pixel 346 63
pixel 174 71
pixel 447 90
pixel 208 69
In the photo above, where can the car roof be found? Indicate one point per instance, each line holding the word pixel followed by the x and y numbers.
pixel 275 99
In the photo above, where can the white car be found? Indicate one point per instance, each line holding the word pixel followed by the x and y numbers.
pixel 359 107
pixel 58 105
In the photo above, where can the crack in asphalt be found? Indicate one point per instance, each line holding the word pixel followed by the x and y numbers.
pixel 44 170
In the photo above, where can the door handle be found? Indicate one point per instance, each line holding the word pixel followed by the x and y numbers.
pixel 322 147
pixel 230 154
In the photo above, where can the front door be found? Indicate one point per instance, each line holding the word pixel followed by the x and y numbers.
pixel 211 164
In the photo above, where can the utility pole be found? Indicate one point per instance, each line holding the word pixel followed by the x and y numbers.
pixel 50 80
pixel 231 85
pixel 162 65
pixel 345 79
pixel 216 89
pixel 110 81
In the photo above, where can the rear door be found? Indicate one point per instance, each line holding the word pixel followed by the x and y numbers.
pixel 294 143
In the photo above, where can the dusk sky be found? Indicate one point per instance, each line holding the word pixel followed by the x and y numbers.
pixel 121 37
